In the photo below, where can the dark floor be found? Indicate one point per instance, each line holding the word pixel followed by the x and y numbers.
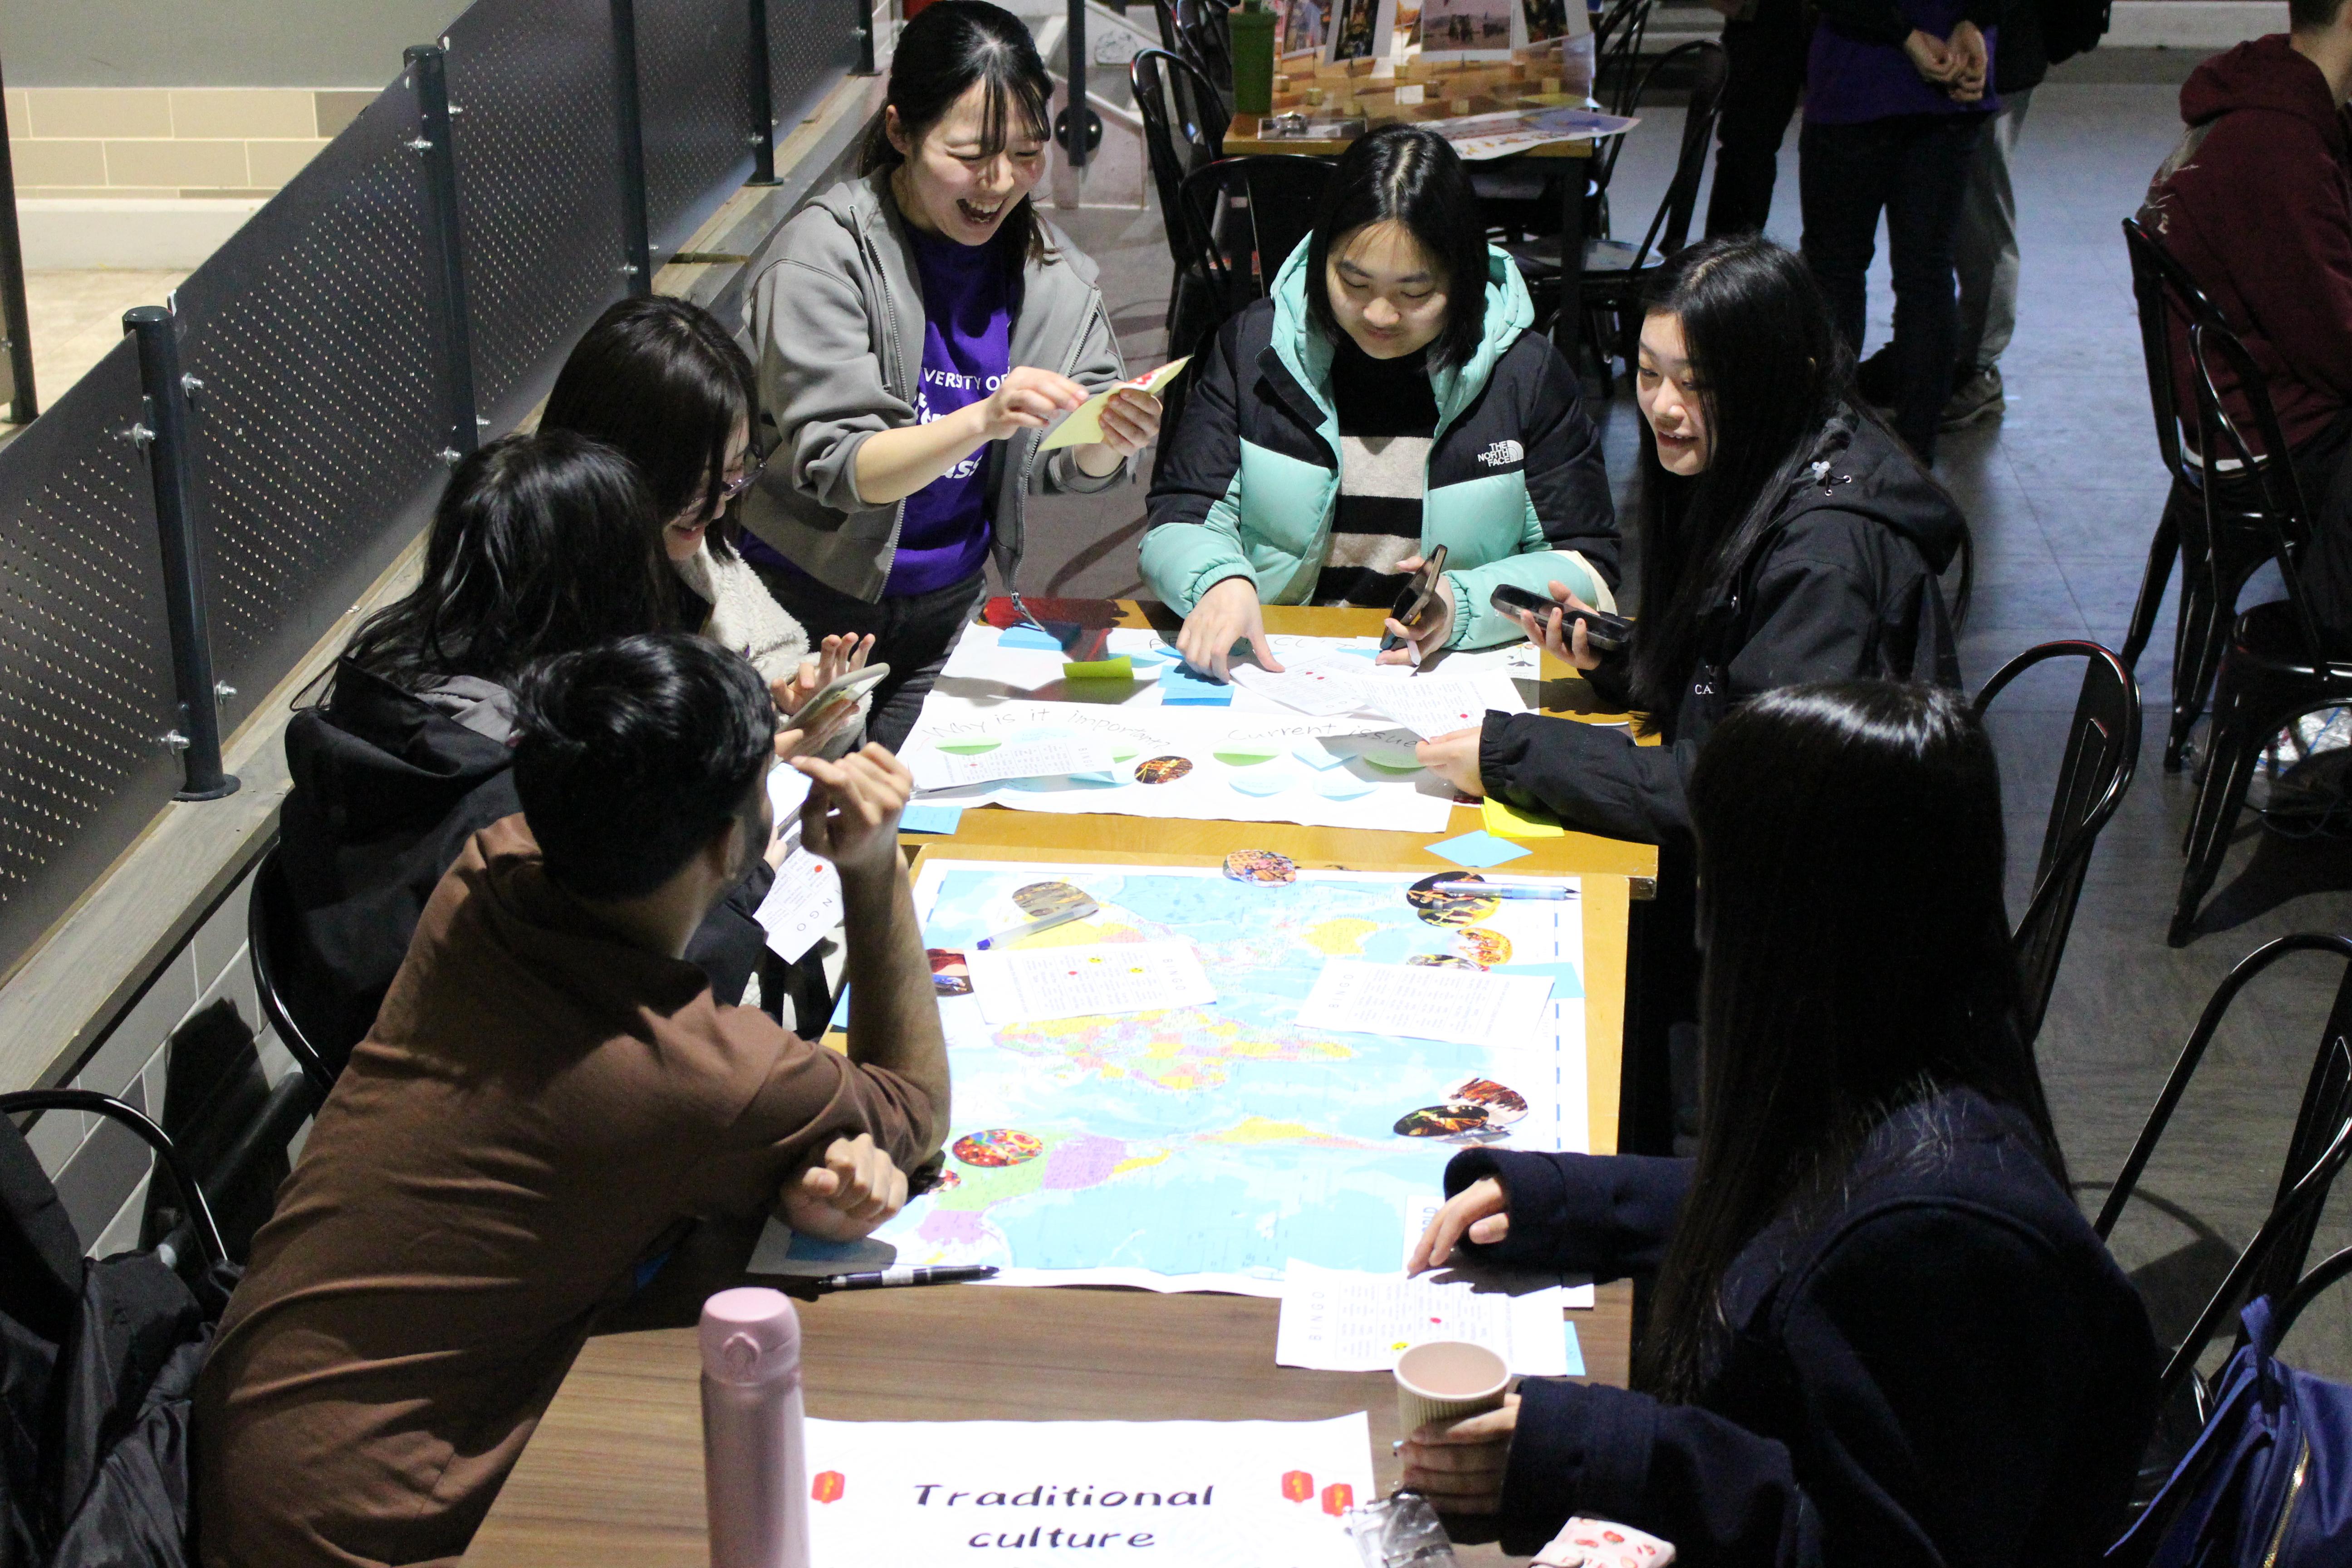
pixel 2062 494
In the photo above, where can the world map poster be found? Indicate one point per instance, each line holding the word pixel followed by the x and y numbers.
pixel 1201 1147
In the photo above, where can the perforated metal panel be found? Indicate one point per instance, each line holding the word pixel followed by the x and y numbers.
pixel 317 431
pixel 539 187
pixel 86 693
pixel 811 43
pixel 694 86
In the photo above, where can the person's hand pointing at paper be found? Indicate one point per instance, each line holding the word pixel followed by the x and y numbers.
pixel 1224 615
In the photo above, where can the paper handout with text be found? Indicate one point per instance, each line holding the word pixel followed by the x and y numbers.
pixel 1036 986
pixel 1465 1005
pixel 1336 1320
pixel 1020 1494
pixel 1017 760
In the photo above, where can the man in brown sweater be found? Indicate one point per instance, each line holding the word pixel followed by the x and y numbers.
pixel 549 1098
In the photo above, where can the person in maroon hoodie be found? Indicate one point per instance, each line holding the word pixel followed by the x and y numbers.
pixel 2256 202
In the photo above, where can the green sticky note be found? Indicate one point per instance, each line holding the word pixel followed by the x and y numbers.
pixel 1120 669
pixel 1243 756
pixel 972 748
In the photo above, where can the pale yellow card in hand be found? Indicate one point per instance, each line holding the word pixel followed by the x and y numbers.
pixel 1084 426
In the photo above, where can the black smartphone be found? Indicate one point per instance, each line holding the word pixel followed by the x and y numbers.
pixel 1603 632
pixel 1413 599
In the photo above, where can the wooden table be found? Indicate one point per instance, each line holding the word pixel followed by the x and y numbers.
pixel 615 1471
pixel 1568 325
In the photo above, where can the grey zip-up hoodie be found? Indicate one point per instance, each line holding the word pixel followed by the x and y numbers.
pixel 837 324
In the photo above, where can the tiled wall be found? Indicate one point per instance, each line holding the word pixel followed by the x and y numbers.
pixel 169 142
pixel 101 1168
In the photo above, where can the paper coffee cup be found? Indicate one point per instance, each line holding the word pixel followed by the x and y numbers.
pixel 1445 1380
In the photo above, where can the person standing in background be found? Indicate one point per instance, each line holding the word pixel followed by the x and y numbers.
pixel 1984 249
pixel 1765 41
pixel 1897 95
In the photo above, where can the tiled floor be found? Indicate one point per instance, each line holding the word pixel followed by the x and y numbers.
pixel 77 316
pixel 2062 494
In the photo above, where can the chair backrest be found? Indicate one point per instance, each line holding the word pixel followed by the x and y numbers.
pixel 1617 52
pixel 2170 301
pixel 269 922
pixel 1709 67
pixel 2102 750
pixel 2318 1147
pixel 1180 133
pixel 167 1153
pixel 1208 24
pixel 1253 212
pixel 2283 515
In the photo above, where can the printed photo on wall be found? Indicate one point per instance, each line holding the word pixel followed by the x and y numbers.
pixel 1548 20
pixel 1302 27
pixel 1472 29
pixel 1360 30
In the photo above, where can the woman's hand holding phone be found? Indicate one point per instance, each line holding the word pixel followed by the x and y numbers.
pixel 1564 638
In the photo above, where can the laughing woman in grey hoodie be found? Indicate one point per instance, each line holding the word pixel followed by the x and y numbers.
pixel 916 330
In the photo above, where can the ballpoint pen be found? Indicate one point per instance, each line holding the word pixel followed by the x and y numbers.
pixel 1043 922
pixel 1501 891
pixel 942 1274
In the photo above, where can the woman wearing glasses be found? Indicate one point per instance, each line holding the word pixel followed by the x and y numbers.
pixel 663 384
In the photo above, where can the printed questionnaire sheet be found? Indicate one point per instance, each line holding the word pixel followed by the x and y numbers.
pixel 1464 1005
pixel 1336 1320
pixel 1203 1146
pixel 1172 1494
pixel 1036 986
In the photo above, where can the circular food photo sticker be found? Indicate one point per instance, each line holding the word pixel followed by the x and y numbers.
pixel 1162 770
pixel 997 1146
pixel 1039 900
pixel 1261 865
pixel 1451 908
pixel 1502 1105
pixel 1451 1119
pixel 1483 947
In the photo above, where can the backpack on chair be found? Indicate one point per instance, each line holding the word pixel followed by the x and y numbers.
pixel 2268 1483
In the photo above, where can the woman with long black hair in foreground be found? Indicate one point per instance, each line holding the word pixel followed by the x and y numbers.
pixel 1883 1335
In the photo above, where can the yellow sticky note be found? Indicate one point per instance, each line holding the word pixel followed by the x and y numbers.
pixel 1084 426
pixel 1510 823
pixel 1120 669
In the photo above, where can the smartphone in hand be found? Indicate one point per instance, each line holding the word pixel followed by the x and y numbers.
pixel 1603 632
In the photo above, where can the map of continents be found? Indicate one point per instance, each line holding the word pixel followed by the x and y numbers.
pixel 1202 1145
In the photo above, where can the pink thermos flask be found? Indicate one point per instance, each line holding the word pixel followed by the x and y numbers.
pixel 754 1460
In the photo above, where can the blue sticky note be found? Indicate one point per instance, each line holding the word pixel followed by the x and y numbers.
pixel 1566 982
pixel 1481 848
pixel 1575 1353
pixel 1029 637
pixel 1179 688
pixel 1313 755
pixel 1343 786
pixel 924 816
pixel 1262 781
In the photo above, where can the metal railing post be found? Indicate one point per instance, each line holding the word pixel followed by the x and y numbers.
pixel 762 104
pixel 863 11
pixel 162 433
pixel 22 404
pixel 428 76
pixel 1077 128
pixel 637 246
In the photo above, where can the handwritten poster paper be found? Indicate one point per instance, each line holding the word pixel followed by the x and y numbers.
pixel 1022 1494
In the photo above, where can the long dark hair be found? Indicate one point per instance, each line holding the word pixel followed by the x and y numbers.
pixel 1771 373
pixel 1407 175
pixel 540 544
pixel 663 384
pixel 1857 960
pixel 950 47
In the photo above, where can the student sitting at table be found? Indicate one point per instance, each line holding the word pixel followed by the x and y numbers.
pixel 660 382
pixel 540 544
pixel 1788 536
pixel 549 1101
pixel 1882 1333
pixel 917 329
pixel 1385 399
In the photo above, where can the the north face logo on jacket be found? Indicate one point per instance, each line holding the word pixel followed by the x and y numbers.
pixel 1502 454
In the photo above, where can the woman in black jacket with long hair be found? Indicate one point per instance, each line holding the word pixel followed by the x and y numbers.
pixel 1786 536
pixel 1882 1333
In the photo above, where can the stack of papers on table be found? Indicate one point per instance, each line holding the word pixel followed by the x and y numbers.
pixel 1335 1319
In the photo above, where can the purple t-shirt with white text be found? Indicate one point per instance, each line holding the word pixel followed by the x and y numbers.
pixel 1850 82
pixel 967 349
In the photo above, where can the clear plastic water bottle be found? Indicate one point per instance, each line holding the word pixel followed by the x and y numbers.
pixel 754 1456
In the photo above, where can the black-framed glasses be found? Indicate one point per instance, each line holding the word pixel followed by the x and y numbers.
pixel 734 488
